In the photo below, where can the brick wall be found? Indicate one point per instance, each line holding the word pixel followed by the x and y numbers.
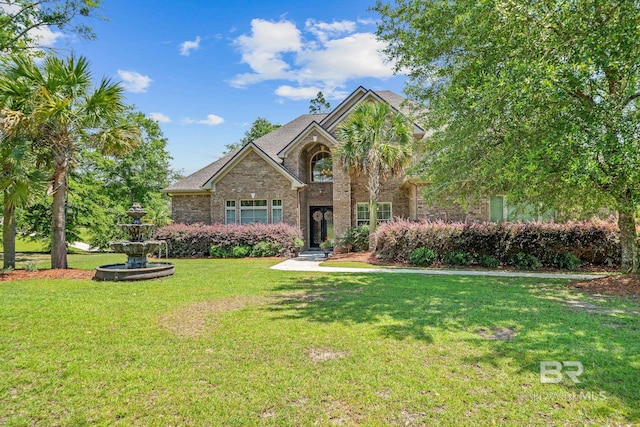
pixel 191 208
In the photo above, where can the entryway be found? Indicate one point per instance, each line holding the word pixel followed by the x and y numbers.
pixel 321 220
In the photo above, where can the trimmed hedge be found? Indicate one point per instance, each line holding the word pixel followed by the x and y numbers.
pixel 596 242
pixel 196 240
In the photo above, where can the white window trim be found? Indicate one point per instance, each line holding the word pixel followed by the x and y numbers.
pixel 227 209
pixel 275 208
pixel 323 150
pixel 366 222
pixel 247 208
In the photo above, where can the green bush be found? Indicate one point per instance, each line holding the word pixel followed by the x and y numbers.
pixel 240 251
pixel 31 266
pixel 566 260
pixel 457 258
pixel 355 239
pixel 524 261
pixel 219 251
pixel 423 256
pixel 264 249
pixel 488 261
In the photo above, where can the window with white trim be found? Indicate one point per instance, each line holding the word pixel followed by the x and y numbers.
pixel 322 167
pixel 362 213
pixel 230 212
pixel 253 211
pixel 276 211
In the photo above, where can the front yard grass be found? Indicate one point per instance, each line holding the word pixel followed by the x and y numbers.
pixel 231 342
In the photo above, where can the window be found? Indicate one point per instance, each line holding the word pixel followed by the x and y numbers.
pixel 322 167
pixel 230 212
pixel 362 213
pixel 500 210
pixel 253 211
pixel 276 211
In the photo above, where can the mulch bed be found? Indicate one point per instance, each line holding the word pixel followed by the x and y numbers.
pixel 623 284
pixel 47 274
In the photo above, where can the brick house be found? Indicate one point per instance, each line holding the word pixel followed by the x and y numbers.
pixel 289 175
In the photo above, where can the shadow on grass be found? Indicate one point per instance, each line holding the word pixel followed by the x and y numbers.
pixel 464 308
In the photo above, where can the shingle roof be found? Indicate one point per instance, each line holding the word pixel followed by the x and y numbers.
pixel 196 180
pixel 271 143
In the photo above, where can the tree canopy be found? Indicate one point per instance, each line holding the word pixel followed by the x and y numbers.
pixel 536 99
pixel 259 127
pixel 22 22
pixel 319 104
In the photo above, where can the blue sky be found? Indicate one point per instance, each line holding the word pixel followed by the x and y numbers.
pixel 207 69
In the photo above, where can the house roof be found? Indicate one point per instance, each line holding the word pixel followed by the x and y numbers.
pixel 273 143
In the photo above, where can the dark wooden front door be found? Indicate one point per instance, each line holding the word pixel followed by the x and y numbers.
pixel 321 220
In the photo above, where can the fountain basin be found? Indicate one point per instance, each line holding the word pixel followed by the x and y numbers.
pixel 136 248
pixel 120 272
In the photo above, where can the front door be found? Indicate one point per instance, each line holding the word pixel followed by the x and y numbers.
pixel 321 225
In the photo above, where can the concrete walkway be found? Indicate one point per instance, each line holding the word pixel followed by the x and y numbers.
pixel 310 261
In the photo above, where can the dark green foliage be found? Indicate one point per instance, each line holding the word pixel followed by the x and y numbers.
pixel 488 261
pixel 355 239
pixel 265 249
pixel 423 256
pixel 566 260
pixel 240 251
pixel 524 261
pixel 457 258
pixel 259 127
pixel 219 251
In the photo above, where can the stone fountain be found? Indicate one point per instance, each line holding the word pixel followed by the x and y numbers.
pixel 136 248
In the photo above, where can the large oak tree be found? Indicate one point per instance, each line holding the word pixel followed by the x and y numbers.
pixel 536 99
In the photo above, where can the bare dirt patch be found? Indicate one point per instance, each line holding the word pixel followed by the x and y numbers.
pixel 193 320
pixel 69 273
pixel 318 355
pixel 621 284
pixel 501 334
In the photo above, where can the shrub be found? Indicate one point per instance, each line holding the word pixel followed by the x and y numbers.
pixel 31 266
pixel 566 260
pixel 240 251
pixel 596 242
pixel 488 261
pixel 524 261
pixel 264 249
pixel 457 258
pixel 196 240
pixel 355 239
pixel 219 251
pixel 423 256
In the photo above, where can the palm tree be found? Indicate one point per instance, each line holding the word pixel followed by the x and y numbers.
pixel 374 142
pixel 67 113
pixel 19 177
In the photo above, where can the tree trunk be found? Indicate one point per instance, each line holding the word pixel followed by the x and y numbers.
pixel 58 219
pixel 374 190
pixel 9 234
pixel 628 238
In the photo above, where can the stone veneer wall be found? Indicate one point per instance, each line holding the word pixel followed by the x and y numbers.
pixel 254 175
pixel 191 208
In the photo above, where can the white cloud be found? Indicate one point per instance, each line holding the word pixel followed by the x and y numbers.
pixel 44 36
pixel 159 117
pixel 187 46
pixel 263 50
pixel 134 81
pixel 323 58
pixel 211 120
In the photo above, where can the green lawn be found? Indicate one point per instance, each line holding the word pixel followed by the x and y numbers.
pixel 231 342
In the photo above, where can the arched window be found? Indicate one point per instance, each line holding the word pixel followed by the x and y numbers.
pixel 322 167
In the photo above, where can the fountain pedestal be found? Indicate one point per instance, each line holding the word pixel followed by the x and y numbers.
pixel 136 248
